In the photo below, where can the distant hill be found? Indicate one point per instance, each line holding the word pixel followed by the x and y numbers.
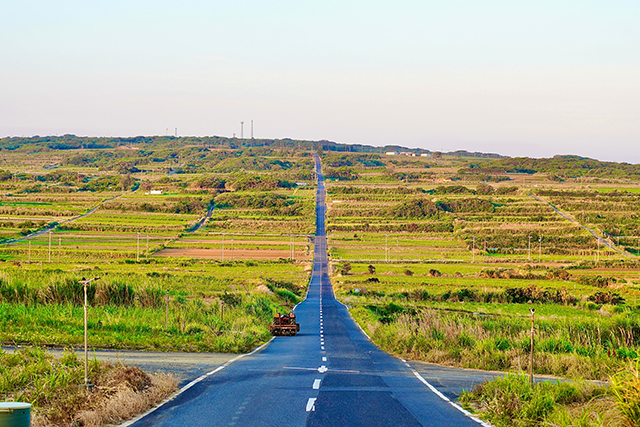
pixel 565 166
pixel 71 142
pixel 561 166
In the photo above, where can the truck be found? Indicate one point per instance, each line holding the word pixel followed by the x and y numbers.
pixel 284 325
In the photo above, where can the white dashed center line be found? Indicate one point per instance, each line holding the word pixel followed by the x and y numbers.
pixel 311 404
pixel 316 384
pixel 324 359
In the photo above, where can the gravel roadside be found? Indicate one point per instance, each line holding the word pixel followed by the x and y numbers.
pixel 185 366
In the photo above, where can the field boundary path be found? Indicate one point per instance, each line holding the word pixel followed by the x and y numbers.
pixel 604 241
pixel 66 221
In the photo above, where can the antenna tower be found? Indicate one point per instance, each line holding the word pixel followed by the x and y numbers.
pixel 241 129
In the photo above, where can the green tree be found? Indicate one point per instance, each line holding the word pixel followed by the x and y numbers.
pixel 126 182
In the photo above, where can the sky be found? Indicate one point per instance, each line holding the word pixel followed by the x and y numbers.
pixel 519 78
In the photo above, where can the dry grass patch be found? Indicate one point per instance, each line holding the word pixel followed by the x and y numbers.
pixel 128 400
pixel 54 387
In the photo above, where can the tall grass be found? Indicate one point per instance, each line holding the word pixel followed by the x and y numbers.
pixel 588 348
pixel 193 325
pixel 626 389
pixel 512 401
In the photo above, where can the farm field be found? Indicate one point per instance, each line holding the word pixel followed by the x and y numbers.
pixel 152 225
pixel 439 264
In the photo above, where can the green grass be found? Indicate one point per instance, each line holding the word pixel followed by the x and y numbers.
pixel 31 313
pixel 511 401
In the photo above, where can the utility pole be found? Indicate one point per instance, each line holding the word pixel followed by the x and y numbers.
pixel 251 129
pixel 540 249
pixel 85 283
pixel 241 130
pixel 473 250
pixel 386 248
pixel 532 310
pixel 49 245
pixel 166 311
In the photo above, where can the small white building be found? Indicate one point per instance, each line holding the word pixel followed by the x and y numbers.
pixel 154 192
pixel 391 153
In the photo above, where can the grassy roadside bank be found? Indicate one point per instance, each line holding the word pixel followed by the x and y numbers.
pixel 456 316
pixel 213 307
pixel 447 338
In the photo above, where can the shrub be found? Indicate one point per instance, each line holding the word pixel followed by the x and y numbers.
pixel 345 269
pixel 484 189
pixel 596 281
pixel 606 298
pixel 512 401
pixel 231 300
pixel 416 208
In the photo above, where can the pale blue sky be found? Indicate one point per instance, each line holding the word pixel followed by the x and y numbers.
pixel 519 78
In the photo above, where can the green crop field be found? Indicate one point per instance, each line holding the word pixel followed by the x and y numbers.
pixel 442 264
pixel 138 220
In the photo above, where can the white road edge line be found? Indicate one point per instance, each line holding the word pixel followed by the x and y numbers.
pixel 432 388
pixel 311 404
pixel 191 384
pixel 446 399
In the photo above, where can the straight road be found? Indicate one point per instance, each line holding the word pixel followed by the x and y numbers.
pixel 330 374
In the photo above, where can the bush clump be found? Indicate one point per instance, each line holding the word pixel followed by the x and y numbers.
pixel 511 401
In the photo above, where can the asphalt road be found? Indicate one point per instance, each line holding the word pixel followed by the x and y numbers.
pixel 329 374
